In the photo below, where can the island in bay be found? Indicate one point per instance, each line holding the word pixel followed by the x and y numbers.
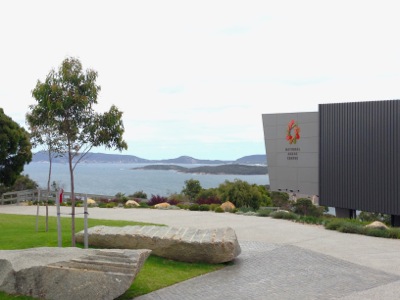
pixel 227 169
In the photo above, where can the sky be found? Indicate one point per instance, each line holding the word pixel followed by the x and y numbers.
pixel 194 77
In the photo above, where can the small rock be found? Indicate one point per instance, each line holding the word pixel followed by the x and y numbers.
pixel 162 205
pixel 132 203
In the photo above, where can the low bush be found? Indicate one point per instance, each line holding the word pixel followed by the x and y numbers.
pixel 264 212
pixel 393 233
pixel 111 205
pixel 345 226
pixel 156 199
pixel 194 207
pixel 371 217
pixel 174 201
pixel 245 209
pixel 139 194
pixel 214 206
pixel 384 233
pixel 334 224
pixel 204 207
pixel 311 220
pixel 219 209
pixel 281 214
pixel 305 207
pixel 183 206
pixel 350 227
pixel 209 200
pixel 143 204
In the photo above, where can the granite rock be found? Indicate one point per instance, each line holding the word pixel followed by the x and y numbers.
pixel 181 244
pixel 69 273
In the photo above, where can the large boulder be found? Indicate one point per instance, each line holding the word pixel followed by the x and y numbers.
pixel 228 206
pixel 377 225
pixel 69 273
pixel 181 244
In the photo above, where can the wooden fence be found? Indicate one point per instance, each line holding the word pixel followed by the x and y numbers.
pixel 41 195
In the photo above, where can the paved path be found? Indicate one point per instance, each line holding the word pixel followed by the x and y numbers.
pixel 280 259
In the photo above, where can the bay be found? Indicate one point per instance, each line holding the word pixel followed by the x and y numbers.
pixel 112 178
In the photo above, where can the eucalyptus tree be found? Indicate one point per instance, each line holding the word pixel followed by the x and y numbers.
pixel 192 188
pixel 67 98
pixel 15 150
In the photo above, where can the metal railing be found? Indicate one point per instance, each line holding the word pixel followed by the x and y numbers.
pixel 41 195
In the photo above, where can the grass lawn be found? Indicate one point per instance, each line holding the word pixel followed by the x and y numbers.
pixel 19 232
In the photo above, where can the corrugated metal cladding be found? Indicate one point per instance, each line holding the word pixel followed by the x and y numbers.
pixel 359 156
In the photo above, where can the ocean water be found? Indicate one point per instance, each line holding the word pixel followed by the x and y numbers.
pixel 110 179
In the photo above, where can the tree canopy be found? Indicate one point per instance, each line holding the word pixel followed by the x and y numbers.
pixel 192 188
pixel 15 149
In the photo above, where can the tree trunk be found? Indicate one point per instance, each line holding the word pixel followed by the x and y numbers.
pixel 48 193
pixel 71 172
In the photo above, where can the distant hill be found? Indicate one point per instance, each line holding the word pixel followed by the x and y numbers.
pixel 42 156
pixel 259 159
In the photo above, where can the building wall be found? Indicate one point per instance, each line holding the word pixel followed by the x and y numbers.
pixel 292 167
pixel 359 156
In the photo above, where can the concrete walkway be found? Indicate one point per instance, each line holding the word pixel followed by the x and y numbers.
pixel 280 259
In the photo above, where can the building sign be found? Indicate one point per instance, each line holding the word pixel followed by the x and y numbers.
pixel 291 142
pixel 292 153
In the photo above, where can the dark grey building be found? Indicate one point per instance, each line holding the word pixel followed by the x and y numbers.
pixel 357 157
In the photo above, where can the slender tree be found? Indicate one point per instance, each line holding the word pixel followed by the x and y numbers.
pixel 15 150
pixel 68 96
pixel 43 133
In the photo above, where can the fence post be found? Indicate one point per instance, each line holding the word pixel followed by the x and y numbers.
pixel 59 219
pixel 86 240
pixel 37 211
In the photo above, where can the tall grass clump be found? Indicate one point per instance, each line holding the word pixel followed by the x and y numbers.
pixel 282 214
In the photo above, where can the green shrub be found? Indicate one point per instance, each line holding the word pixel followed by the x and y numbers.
pixel 311 220
pixel 143 205
pixel 264 212
pixel 183 206
pixel 245 209
pixel 305 207
pixel 204 207
pixel 281 214
pixel 219 209
pixel 377 232
pixel 345 226
pixel 393 233
pixel 214 206
pixel 111 205
pixel 371 217
pixel 333 224
pixel 281 200
pixel 139 194
pixel 194 207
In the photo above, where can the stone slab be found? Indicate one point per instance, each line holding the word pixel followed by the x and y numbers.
pixel 187 244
